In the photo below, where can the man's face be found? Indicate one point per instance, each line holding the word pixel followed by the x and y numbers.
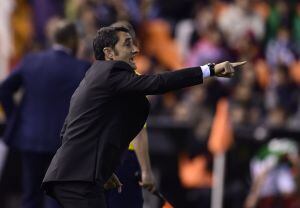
pixel 125 49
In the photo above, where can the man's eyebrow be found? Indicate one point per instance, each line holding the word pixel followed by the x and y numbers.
pixel 127 39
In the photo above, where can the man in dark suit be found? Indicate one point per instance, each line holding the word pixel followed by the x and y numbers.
pixel 135 161
pixel 107 111
pixel 48 79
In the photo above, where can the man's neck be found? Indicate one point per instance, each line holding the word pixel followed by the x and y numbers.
pixel 60 47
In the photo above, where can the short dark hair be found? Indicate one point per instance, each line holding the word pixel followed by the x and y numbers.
pixel 64 31
pixel 106 37
pixel 125 24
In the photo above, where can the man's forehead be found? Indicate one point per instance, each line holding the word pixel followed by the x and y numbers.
pixel 124 35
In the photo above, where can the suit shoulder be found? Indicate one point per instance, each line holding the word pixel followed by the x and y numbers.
pixel 108 67
pixel 34 55
pixel 30 58
pixel 84 64
pixel 39 56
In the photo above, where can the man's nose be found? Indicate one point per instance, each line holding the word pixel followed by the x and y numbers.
pixel 135 49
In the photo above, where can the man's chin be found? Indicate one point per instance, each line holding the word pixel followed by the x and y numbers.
pixel 133 65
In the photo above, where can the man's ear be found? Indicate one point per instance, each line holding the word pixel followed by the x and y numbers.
pixel 109 53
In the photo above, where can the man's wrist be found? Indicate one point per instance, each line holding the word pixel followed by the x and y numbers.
pixel 212 69
pixel 208 70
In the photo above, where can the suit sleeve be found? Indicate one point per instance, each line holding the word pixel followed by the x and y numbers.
pixel 126 81
pixel 7 89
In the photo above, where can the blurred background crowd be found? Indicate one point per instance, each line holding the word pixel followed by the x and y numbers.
pixel 262 158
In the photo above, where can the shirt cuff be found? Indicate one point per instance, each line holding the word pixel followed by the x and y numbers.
pixel 205 71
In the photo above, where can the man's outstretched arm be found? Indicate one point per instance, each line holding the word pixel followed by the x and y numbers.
pixel 123 80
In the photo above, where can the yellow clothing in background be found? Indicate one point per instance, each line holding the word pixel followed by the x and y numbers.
pixel 131 146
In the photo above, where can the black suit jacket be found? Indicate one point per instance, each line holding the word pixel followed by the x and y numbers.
pixel 107 111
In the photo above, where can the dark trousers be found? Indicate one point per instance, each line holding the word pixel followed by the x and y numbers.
pixel 131 195
pixel 77 194
pixel 34 167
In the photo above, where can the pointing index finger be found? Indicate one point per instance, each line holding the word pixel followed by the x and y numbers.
pixel 235 64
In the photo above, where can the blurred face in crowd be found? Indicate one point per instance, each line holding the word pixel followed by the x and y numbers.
pixel 276 117
pixel 125 49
